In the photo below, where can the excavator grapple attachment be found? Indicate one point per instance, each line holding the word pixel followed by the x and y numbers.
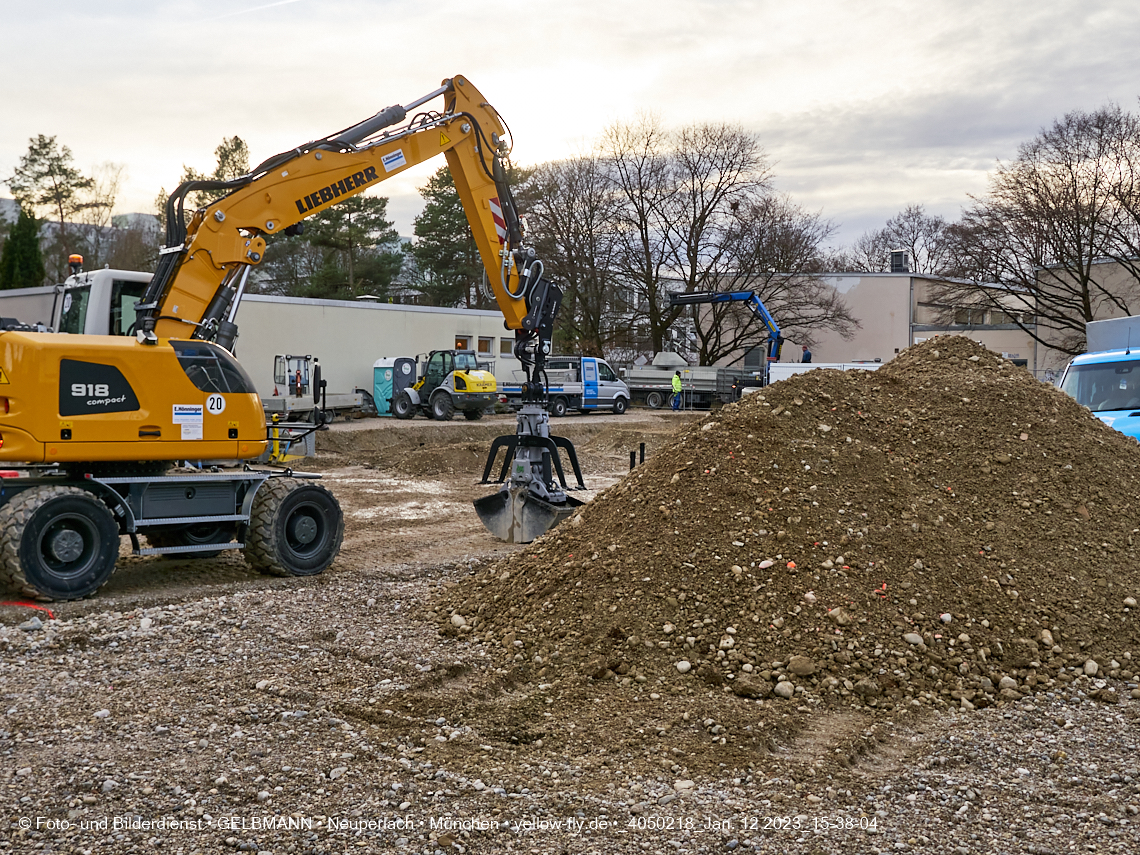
pixel 516 515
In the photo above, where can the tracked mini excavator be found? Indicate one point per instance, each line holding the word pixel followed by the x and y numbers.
pixel 90 425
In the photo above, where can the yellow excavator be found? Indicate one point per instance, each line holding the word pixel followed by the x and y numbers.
pixel 91 425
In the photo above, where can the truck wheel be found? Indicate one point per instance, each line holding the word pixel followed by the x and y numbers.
pixel 655 400
pixel 295 528
pixel 558 407
pixel 57 543
pixel 619 406
pixel 402 406
pixel 472 415
pixel 442 409
pixel 193 535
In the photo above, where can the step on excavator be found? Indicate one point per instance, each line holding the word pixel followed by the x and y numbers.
pixel 91 426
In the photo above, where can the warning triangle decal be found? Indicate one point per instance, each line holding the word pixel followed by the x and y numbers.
pixel 444 139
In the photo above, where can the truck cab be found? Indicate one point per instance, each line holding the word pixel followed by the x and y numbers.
pixel 101 302
pixel 1108 383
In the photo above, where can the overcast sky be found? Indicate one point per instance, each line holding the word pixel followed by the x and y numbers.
pixel 864 107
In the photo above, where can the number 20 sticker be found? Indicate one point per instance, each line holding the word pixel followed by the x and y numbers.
pixel 215 405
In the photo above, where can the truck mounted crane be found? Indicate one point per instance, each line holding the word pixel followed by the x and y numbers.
pixel 91 424
pixel 775 337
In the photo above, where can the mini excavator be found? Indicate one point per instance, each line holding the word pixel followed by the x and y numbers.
pixel 97 421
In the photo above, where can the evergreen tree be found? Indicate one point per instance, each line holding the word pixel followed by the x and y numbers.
pixel 447 259
pixel 46 178
pixel 345 251
pixel 21 264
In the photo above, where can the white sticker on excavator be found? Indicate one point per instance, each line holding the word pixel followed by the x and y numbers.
pixel 187 414
pixel 394 160
pixel 189 418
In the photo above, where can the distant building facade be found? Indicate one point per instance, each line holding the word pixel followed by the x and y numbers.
pixel 896 310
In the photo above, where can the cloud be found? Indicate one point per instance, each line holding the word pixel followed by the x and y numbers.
pixel 864 107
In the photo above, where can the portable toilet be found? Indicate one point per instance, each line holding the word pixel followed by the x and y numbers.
pixel 390 376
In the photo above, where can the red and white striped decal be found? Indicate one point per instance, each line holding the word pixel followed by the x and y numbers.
pixel 497 216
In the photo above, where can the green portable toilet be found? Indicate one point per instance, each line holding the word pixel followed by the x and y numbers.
pixel 390 376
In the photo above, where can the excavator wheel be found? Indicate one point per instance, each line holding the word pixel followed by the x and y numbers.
pixel 472 415
pixel 57 543
pixel 442 408
pixel 295 528
pixel 193 535
pixel 402 406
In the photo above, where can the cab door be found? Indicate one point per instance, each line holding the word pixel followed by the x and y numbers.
pixel 608 385
pixel 438 367
pixel 590 383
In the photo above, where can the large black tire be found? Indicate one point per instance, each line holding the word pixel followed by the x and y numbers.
pixel 558 407
pixel 295 528
pixel 402 406
pixel 193 535
pixel 619 406
pixel 655 400
pixel 442 409
pixel 472 415
pixel 57 543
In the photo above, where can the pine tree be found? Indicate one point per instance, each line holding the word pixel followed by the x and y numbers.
pixel 21 264
pixel 447 258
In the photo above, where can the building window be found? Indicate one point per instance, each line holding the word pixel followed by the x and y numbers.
pixel 507 347
pixel 970 317
pixel 463 342
pixel 486 345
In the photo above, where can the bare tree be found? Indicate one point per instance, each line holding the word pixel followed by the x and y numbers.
pixel 922 236
pixel 94 215
pixel 642 174
pixel 772 247
pixel 571 208
pixel 1049 217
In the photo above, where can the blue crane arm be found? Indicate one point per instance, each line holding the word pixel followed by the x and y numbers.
pixel 749 297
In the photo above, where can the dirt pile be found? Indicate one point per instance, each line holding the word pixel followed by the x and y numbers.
pixel 945 530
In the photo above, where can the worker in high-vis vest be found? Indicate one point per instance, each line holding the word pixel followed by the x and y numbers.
pixel 677 391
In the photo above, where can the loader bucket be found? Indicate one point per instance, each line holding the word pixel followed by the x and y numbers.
pixel 516 515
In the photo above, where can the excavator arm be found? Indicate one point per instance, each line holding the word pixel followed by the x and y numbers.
pixel 203 268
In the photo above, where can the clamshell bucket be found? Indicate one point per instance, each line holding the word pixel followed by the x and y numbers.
pixel 516 515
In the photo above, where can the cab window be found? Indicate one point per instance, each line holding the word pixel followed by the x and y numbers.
pixel 605 373
pixel 124 295
pixel 73 319
pixel 211 368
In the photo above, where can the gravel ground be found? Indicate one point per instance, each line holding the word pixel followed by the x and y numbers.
pixel 220 711
pixel 316 718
